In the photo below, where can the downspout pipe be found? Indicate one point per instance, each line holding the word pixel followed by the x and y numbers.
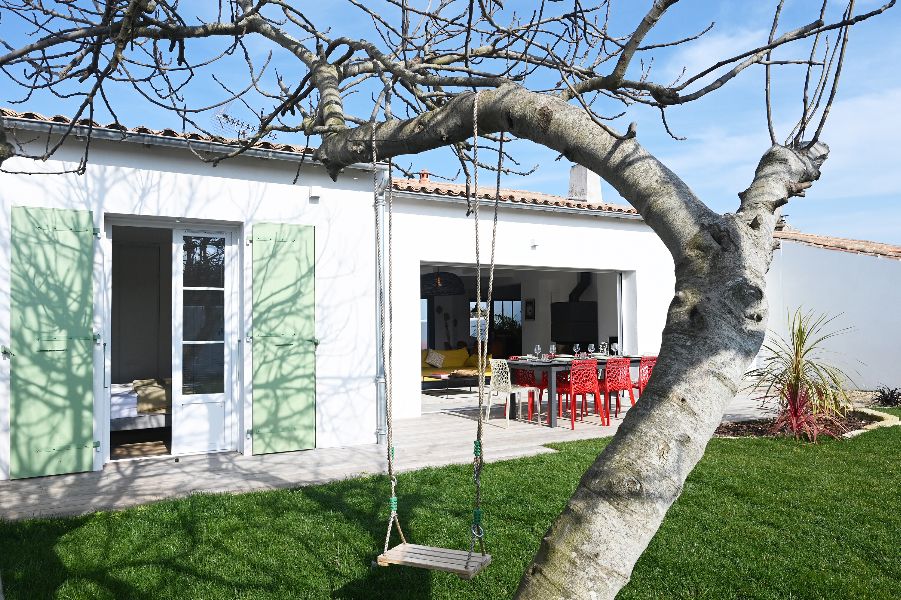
pixel 381 296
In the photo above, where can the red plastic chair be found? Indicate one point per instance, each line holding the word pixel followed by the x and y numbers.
pixel 526 378
pixel 645 367
pixel 583 380
pixel 617 379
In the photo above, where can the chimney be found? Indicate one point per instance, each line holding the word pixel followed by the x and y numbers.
pixel 584 185
pixel 424 176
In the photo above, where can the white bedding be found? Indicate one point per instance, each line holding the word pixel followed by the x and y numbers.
pixel 123 401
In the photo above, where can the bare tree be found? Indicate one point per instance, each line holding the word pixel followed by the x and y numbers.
pixel 556 73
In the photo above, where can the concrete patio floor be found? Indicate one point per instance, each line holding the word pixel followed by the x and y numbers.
pixel 441 436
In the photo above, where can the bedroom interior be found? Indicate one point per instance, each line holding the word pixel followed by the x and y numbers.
pixel 141 342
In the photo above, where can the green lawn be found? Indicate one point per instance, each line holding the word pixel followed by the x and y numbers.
pixel 759 518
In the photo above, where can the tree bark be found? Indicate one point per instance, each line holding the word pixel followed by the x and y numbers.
pixel 6 149
pixel 715 324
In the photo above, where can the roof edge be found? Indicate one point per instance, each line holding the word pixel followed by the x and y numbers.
pixel 841 244
pixel 32 121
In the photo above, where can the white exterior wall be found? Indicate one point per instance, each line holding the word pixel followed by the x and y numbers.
pixel 431 231
pixel 168 183
pixel 865 290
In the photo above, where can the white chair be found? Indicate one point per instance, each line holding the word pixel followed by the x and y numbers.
pixel 502 386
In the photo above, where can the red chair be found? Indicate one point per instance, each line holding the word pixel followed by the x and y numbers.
pixel 583 380
pixel 617 379
pixel 645 367
pixel 526 378
pixel 562 384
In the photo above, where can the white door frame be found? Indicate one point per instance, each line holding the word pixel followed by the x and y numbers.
pixel 103 313
pixel 231 338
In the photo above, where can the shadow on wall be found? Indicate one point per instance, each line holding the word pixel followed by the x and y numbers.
pixel 51 318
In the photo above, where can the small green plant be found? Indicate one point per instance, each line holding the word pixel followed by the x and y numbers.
pixel 887 396
pixel 506 325
pixel 810 393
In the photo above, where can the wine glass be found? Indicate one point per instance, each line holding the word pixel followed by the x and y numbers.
pixel 537 350
pixel 576 348
pixel 552 349
pixel 602 348
pixel 590 348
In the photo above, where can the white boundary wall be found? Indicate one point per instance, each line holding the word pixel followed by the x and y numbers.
pixel 430 230
pixel 171 183
pixel 865 289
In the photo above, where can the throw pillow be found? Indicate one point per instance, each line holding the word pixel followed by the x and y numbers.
pixel 435 359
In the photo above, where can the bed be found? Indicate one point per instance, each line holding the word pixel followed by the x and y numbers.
pixel 124 413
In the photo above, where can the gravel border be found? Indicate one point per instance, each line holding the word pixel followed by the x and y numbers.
pixel 885 420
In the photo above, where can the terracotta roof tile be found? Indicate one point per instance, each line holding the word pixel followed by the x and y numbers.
pixel 459 190
pixel 511 196
pixel 143 130
pixel 843 244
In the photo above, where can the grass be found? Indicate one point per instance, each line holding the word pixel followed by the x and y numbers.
pixel 759 518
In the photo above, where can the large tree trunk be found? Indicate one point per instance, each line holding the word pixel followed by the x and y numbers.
pixel 715 324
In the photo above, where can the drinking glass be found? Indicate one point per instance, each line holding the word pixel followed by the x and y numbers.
pixel 602 348
pixel 590 348
pixel 576 348
pixel 552 349
pixel 537 350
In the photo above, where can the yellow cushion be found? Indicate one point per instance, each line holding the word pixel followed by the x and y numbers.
pixel 454 358
pixel 473 361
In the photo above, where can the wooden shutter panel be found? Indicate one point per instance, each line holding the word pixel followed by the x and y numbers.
pixel 284 344
pixel 51 312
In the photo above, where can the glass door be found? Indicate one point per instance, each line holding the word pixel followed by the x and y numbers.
pixel 201 385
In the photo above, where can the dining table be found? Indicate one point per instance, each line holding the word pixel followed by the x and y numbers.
pixel 552 366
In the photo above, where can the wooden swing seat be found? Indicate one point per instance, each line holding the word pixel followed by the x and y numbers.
pixel 459 562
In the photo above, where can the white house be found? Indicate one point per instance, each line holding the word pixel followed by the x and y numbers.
pixel 546 245
pixel 250 297
pixel 858 283
pixel 160 305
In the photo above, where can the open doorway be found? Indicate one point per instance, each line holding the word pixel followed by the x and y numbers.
pixel 141 343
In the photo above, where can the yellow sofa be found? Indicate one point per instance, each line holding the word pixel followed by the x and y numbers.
pixel 453 361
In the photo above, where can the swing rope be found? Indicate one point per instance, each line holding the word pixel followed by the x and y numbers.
pixel 477 531
pixel 385 319
pixel 467 568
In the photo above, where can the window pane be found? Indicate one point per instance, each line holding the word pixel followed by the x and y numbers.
pixel 204 261
pixel 204 319
pixel 203 369
pixel 517 310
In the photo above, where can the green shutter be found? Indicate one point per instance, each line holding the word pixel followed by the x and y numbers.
pixel 284 344
pixel 51 374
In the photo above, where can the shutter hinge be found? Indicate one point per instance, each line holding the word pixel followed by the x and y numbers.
pixel 96 444
pixel 249 433
pixel 6 352
pixel 96 232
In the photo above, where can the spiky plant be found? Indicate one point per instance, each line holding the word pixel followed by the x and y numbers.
pixel 810 393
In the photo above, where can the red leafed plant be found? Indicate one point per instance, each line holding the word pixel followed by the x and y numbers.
pixel 810 394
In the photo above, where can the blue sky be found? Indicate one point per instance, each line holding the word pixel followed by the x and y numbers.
pixel 859 192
